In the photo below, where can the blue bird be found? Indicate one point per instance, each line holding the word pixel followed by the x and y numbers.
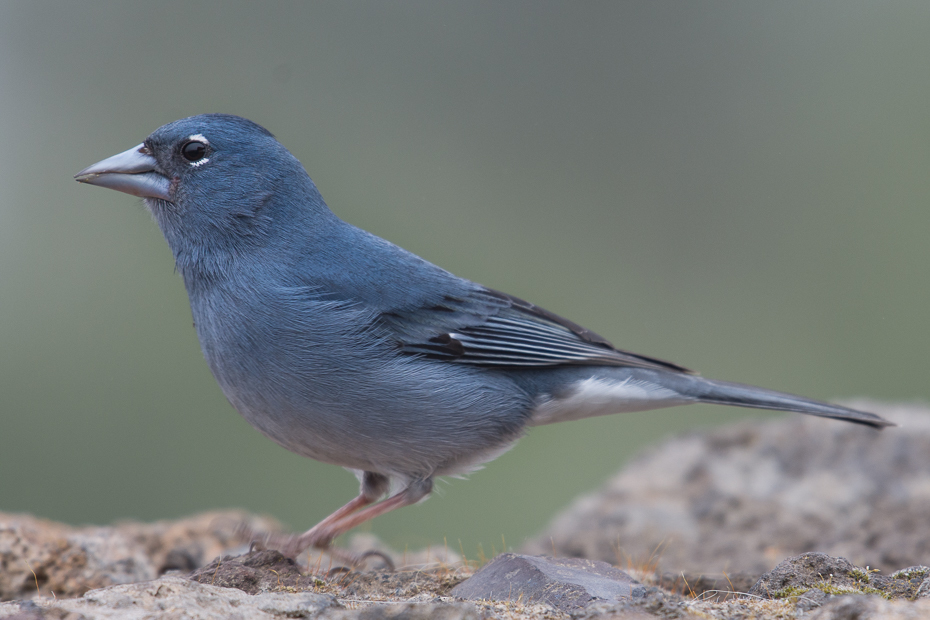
pixel 345 348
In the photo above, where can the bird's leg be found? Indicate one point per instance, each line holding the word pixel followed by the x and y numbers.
pixel 373 487
pixel 354 513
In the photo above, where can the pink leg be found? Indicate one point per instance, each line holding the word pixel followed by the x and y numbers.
pixel 353 514
pixel 354 506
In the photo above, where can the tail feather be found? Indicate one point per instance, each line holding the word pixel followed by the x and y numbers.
pixel 740 395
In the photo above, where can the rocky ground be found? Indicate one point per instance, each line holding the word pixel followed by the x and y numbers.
pixel 749 521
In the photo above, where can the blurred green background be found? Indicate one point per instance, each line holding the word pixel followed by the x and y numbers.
pixel 740 187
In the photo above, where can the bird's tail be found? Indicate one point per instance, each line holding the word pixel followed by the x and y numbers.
pixel 739 395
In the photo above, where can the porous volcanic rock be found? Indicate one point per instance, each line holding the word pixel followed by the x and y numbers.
pixel 739 499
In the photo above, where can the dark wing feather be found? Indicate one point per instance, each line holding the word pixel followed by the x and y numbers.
pixel 493 329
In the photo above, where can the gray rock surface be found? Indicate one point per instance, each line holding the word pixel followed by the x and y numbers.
pixel 655 603
pixel 178 598
pixel 567 584
pixel 175 597
pixel 742 498
pixel 870 608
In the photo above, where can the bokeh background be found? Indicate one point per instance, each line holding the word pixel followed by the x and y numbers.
pixel 740 187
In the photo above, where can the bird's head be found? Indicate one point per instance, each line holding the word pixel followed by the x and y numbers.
pixel 215 183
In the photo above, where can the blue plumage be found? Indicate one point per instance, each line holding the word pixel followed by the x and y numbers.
pixel 345 348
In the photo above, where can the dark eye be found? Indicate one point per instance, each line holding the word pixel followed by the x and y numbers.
pixel 194 150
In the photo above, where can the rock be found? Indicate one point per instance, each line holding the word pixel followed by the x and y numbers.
pixel 259 571
pixel 173 597
pixel 918 579
pixel 567 584
pixel 407 611
pixel 42 557
pixel 39 557
pixel 421 585
pixel 870 608
pixel 740 499
pixel 814 578
pixel 654 603
pixel 924 590
pixel 269 571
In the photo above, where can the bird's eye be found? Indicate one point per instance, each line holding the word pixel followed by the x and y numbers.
pixel 193 150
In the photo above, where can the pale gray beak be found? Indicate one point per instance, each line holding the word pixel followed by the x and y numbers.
pixel 131 171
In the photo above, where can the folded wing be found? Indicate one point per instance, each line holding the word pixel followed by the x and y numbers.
pixel 489 328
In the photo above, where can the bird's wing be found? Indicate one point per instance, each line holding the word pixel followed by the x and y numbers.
pixel 488 328
pixel 430 312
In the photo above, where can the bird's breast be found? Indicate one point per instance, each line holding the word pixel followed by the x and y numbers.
pixel 316 378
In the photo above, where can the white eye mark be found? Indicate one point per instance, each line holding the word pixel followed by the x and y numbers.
pixel 194 150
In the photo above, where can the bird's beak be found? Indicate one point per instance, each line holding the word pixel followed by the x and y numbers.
pixel 131 171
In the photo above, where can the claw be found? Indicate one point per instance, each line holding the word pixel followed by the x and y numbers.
pixel 389 563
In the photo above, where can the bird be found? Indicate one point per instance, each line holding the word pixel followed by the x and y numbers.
pixel 345 348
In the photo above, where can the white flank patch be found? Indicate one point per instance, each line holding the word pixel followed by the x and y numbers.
pixel 465 466
pixel 596 397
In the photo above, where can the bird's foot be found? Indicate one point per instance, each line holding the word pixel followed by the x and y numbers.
pixel 357 560
pixel 292 545
pixel 321 538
